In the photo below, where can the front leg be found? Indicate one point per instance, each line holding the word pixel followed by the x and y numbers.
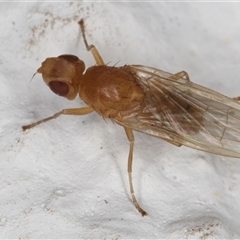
pixel 70 111
pixel 92 48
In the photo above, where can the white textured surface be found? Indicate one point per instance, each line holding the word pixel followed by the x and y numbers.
pixel 67 178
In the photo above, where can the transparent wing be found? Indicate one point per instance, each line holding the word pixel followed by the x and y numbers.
pixel 183 113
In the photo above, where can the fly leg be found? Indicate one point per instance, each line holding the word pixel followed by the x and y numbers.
pixel 70 111
pixel 92 48
pixel 179 75
pixel 130 136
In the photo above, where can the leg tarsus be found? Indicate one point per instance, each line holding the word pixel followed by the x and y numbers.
pixel 130 137
pixel 70 111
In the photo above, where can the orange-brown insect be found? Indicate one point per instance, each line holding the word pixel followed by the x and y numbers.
pixel 145 99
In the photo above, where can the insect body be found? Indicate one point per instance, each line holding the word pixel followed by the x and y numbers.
pixel 145 99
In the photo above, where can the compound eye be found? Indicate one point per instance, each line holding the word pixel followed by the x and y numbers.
pixel 69 57
pixel 59 88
